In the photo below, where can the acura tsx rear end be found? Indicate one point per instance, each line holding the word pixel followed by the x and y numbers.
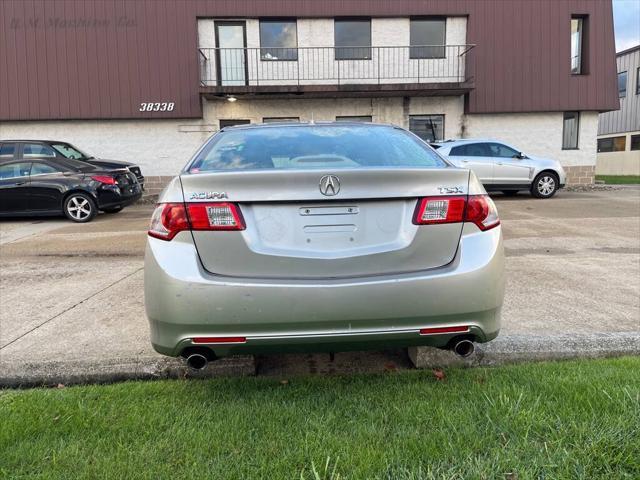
pixel 321 237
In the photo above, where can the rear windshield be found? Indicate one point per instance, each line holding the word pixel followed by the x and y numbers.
pixel 329 146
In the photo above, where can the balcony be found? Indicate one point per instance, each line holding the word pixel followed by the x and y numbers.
pixel 336 71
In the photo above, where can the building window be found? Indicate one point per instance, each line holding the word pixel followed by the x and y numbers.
pixel 280 119
pixel 426 36
pixel 430 128
pixel 635 142
pixel 638 81
pixel 577 29
pixel 612 144
pixel 570 126
pixel 622 84
pixel 231 123
pixel 352 39
pixel 278 40
pixel 354 118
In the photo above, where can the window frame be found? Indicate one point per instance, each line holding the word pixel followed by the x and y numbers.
pixel 353 118
pixel 581 45
pixel 412 48
pixel 16 162
pixel 16 147
pixel 429 115
pixel 626 80
pixel 42 144
pixel 280 119
pixel 337 48
pixel 239 121
pixel 48 164
pixel 277 20
pixel 564 119
pixel 635 137
pixel 613 144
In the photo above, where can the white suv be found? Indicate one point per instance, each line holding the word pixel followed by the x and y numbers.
pixel 504 168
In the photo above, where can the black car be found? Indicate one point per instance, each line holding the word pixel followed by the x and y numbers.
pixel 33 185
pixel 61 150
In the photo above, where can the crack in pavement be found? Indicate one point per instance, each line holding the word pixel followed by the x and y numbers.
pixel 71 307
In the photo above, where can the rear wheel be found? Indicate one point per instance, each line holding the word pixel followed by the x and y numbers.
pixel 545 185
pixel 80 208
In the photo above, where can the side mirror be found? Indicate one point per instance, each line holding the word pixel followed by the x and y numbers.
pixel 520 156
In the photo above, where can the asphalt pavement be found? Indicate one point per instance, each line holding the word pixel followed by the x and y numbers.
pixel 71 296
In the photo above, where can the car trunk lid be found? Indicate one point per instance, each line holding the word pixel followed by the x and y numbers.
pixel 293 230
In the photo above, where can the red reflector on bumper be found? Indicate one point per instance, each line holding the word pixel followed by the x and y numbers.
pixel 219 340
pixel 429 331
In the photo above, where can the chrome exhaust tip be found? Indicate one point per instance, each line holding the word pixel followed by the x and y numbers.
pixel 196 361
pixel 463 348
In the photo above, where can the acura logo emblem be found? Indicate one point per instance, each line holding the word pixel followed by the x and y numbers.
pixel 329 185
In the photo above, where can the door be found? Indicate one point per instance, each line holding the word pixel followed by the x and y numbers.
pixel 509 168
pixel 476 157
pixel 231 55
pixel 46 186
pixel 14 187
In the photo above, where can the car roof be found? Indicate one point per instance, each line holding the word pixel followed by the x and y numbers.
pixel 462 141
pixel 250 126
pixel 12 140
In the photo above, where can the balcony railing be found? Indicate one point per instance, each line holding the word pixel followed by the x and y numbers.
pixel 228 67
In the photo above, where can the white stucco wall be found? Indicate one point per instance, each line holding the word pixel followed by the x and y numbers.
pixel 318 66
pixel 162 147
pixel 537 134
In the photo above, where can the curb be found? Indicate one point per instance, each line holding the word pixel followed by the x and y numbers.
pixel 504 350
pixel 39 374
pixel 532 348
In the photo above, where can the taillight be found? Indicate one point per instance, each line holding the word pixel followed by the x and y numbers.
pixel 170 218
pixel 167 220
pixel 477 209
pixel 482 211
pixel 215 216
pixel 104 179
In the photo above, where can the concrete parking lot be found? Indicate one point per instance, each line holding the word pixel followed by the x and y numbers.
pixel 71 296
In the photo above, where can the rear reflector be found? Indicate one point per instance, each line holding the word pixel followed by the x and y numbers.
pixel 431 331
pixel 170 218
pixel 477 209
pixel 219 340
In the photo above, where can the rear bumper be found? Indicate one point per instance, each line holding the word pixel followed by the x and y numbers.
pixel 110 198
pixel 184 301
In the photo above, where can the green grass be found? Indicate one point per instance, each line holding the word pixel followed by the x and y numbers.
pixel 578 419
pixel 619 179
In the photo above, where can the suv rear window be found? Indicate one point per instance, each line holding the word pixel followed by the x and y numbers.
pixel 307 147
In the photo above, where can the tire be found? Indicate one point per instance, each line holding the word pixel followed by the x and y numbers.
pixel 80 208
pixel 510 193
pixel 112 210
pixel 545 185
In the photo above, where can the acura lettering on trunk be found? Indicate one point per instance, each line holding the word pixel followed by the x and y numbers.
pixel 335 236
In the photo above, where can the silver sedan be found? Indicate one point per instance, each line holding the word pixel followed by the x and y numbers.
pixel 321 237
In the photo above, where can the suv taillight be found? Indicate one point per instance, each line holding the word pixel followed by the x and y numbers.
pixel 477 209
pixel 170 218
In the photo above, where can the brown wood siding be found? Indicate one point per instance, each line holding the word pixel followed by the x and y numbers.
pixel 520 64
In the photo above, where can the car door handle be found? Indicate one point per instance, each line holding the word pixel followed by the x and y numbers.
pixel 465 161
pixel 500 163
pixel 20 183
